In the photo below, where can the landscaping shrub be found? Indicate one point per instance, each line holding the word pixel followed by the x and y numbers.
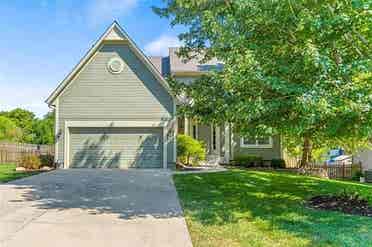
pixel 189 150
pixel 247 160
pixel 29 161
pixel 47 160
pixel 277 163
pixel 357 175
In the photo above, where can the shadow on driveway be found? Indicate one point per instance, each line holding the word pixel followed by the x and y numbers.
pixel 92 207
pixel 127 193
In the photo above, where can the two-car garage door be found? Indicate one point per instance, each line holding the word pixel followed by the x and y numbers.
pixel 115 147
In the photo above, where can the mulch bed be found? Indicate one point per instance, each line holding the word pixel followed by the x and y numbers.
pixel 348 204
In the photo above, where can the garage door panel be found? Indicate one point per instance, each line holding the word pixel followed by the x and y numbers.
pixel 116 147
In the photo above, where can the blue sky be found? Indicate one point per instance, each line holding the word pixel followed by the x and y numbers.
pixel 42 40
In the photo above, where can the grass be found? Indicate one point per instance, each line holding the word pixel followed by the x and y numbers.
pixel 8 173
pixel 264 208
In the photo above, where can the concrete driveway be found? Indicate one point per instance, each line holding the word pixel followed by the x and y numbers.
pixel 92 207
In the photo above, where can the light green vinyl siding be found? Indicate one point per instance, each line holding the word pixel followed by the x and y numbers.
pixel 204 135
pixel 95 94
pixel 266 153
pixel 116 147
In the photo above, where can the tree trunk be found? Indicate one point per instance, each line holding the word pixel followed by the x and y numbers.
pixel 310 154
pixel 306 152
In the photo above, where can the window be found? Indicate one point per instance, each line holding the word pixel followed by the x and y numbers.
pixel 194 131
pixel 264 142
pixel 115 65
pixel 181 125
pixel 214 138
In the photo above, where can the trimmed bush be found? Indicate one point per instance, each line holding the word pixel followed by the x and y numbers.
pixel 247 160
pixel 278 163
pixel 47 160
pixel 357 175
pixel 29 161
pixel 189 150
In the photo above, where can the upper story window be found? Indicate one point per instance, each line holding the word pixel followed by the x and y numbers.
pixel 264 142
pixel 210 67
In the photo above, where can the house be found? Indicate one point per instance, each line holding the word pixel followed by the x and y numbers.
pixel 116 110
pixel 364 156
pixel 221 143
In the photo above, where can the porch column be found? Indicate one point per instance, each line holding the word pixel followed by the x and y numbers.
pixel 227 143
pixel 187 127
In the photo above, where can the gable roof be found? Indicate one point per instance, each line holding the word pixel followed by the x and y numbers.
pixel 192 66
pixel 157 62
pixel 161 63
pixel 114 33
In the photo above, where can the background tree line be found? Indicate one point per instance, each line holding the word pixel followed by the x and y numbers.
pixel 20 125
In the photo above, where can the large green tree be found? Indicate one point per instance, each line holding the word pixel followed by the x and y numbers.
pixel 301 69
pixel 24 120
pixel 22 126
pixel 9 130
pixel 43 129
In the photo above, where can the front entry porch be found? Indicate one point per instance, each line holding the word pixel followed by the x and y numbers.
pixel 215 138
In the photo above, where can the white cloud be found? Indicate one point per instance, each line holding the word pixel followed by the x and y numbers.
pixel 107 10
pixel 159 46
pixel 28 97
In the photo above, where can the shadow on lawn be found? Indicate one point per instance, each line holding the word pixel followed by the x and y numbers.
pixel 128 194
pixel 277 199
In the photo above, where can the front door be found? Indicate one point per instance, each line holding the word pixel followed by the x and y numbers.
pixel 209 135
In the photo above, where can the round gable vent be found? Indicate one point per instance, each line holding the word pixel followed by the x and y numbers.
pixel 115 65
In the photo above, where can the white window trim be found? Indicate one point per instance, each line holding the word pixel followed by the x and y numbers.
pixel 111 124
pixel 243 145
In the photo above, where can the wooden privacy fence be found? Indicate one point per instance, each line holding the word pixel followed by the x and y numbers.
pixel 291 162
pixel 11 152
pixel 343 171
pixel 333 171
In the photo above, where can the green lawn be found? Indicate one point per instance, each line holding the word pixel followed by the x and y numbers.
pixel 260 208
pixel 8 172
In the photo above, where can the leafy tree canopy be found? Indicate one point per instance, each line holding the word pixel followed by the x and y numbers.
pixel 24 120
pixel 8 130
pixel 43 129
pixel 301 69
pixel 24 127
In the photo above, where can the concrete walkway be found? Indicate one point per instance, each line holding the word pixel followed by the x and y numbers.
pixel 92 208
